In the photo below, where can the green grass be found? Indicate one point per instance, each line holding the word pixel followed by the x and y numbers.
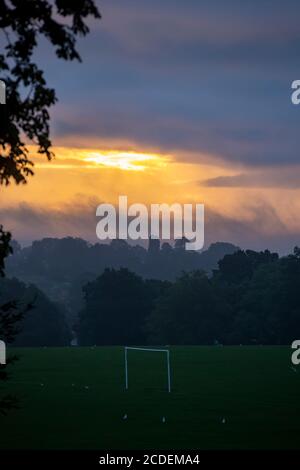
pixel 253 388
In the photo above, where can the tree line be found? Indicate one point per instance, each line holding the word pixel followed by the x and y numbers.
pixel 61 267
pixel 67 259
pixel 252 298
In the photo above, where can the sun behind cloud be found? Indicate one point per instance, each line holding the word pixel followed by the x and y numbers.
pixel 124 160
pixel 67 158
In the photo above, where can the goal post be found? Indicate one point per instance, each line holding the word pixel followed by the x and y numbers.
pixel 166 351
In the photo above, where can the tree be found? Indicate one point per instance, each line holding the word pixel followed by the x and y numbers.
pixel 117 304
pixel 191 311
pixel 45 325
pixel 23 23
pixel 10 316
pixel 262 290
pixel 26 113
pixel 297 251
pixel 239 267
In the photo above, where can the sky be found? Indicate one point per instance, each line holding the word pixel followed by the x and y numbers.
pixel 175 101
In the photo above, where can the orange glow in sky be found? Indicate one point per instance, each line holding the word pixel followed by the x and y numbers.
pixel 132 161
pixel 78 179
pixel 95 158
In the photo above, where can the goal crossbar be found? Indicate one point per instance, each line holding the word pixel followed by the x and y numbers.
pixel 126 348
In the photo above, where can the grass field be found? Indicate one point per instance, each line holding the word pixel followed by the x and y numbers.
pixel 254 388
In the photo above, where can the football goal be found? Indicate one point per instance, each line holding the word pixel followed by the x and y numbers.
pixel 165 351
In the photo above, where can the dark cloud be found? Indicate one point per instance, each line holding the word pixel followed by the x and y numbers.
pixel 256 143
pixel 283 180
pixel 197 77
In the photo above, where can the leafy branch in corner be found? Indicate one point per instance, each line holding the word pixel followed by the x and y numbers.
pixel 23 23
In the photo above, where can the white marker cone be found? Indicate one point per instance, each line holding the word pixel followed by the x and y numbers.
pixel 163 419
pixel 125 417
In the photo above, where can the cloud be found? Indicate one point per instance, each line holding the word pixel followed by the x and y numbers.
pixel 258 142
pixel 206 82
pixel 260 228
pixel 28 222
pixel 267 179
pixel 171 33
pixel 208 77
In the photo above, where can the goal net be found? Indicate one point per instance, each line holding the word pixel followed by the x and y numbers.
pixel 166 352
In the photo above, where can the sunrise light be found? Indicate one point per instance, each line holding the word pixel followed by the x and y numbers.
pixel 130 161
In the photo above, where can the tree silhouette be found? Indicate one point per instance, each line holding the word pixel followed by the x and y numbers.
pixel 11 313
pixel 191 311
pixel 28 99
pixel 5 248
pixel 116 304
pixel 23 23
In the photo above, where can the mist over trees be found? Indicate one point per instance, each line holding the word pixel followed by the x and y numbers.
pixel 61 267
pixel 66 259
